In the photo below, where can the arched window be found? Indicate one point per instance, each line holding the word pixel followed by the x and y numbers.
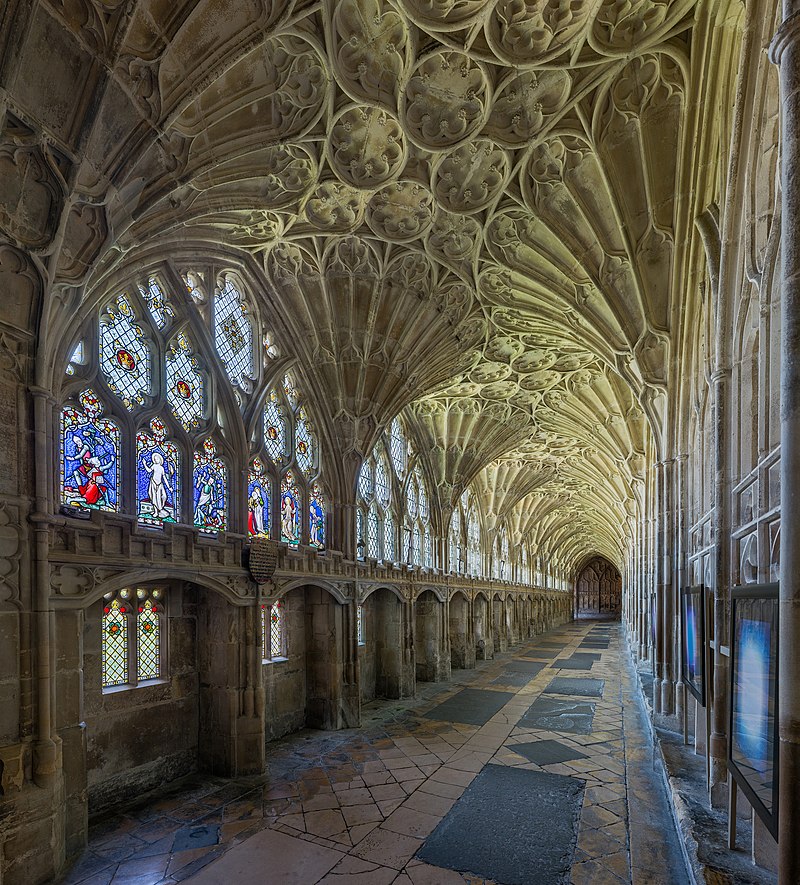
pixel 473 544
pixel 360 625
pixel 316 526
pixel 131 644
pixel 398 447
pixel 233 334
pixel 259 491
pixel 90 454
pixel 115 643
pixel 290 510
pixel 525 576
pixel 142 426
pixel 373 545
pixel 273 631
pixel 158 476
pixel 455 540
pixel 210 489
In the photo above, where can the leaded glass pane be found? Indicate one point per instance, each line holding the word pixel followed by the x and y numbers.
pixel 388 538
pixel 258 499
pixel 412 498
pixel 428 560
pixel 125 355
pixel 233 334
pixel 158 476
pixel 160 309
pixel 290 390
pixel 373 547
pixel 398 448
pixel 274 429
pixel 185 384
pixel 290 511
pixel 148 642
pixel 361 540
pixel 276 645
pixel 115 644
pixel 304 443
pixel 416 546
pixel 366 480
pixel 89 456
pixel 423 497
pixel 210 489
pixel 360 624
pixel 381 481
pixel 77 359
pixel 316 525
pixel 195 286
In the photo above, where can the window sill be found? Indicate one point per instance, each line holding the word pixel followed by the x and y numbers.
pixel 274 660
pixel 117 689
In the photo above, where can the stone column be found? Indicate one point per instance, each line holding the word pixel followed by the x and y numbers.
pixel 785 52
pixel 666 539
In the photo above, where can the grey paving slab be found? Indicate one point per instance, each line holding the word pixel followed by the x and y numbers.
pixel 571 664
pixel 510 678
pixel 471 706
pixel 575 685
pixel 552 714
pixel 546 752
pixel 531 667
pixel 512 826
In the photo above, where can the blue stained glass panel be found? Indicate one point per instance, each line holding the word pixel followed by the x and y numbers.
pixel 290 511
pixel 316 525
pixel 158 476
pixel 210 489
pixel 89 456
pixel 258 497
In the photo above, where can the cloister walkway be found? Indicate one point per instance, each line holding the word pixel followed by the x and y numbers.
pixel 535 768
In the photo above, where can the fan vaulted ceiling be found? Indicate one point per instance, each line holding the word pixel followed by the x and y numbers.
pixel 465 211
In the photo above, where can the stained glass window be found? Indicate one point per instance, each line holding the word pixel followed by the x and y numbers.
pixel 185 384
pixel 77 359
pixel 290 511
pixel 416 545
pixel 160 309
pixel 360 625
pixel 115 643
pixel 413 498
pixel 290 390
pixel 274 428
pixel 398 448
pixel 277 647
pixel 373 548
pixel 473 545
pixel 90 447
pixel 148 639
pixel 258 499
pixel 428 558
pixel 158 476
pixel 264 632
pixel 388 537
pixel 304 443
pixel 455 541
pixel 210 489
pixel 381 482
pixel 526 577
pixel 125 354
pixel 316 525
pixel 366 480
pixel 233 334
pixel 361 539
pixel 195 286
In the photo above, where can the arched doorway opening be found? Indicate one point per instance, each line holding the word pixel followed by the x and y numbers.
pixel 598 590
pixel 381 656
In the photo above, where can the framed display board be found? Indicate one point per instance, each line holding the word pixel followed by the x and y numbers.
pixel 693 645
pixel 753 702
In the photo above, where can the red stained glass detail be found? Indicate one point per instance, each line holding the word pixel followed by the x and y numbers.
pixel 126 360
pixel 183 389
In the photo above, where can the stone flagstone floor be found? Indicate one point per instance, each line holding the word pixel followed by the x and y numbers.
pixel 355 806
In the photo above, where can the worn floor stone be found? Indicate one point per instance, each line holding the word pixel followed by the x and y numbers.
pixel 358 807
